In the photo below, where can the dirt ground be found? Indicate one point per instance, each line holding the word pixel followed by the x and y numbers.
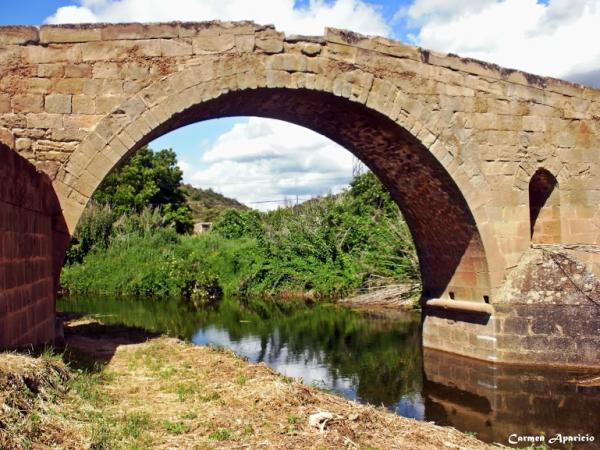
pixel 134 391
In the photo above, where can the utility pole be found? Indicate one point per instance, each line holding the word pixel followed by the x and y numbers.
pixel 358 167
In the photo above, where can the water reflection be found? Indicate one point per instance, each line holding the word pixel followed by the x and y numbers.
pixel 371 358
pixel 496 401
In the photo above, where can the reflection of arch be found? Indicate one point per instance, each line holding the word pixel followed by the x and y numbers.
pixel 544 208
pixel 450 247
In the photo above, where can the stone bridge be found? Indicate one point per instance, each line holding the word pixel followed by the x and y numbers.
pixel 496 171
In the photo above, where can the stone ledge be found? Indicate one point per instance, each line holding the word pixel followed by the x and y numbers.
pixel 461 305
pixel 18 35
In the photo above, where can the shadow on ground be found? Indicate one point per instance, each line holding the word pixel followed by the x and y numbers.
pixel 91 345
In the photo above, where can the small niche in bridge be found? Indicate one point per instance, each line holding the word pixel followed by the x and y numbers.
pixel 544 208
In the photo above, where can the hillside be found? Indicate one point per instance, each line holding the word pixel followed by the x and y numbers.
pixel 207 204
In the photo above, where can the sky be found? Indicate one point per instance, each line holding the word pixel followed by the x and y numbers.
pixel 263 162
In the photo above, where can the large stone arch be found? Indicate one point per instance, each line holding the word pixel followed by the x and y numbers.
pixel 76 99
pixel 414 165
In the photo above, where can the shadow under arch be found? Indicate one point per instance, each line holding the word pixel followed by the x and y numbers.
pixel 544 208
pixel 451 253
pixel 33 242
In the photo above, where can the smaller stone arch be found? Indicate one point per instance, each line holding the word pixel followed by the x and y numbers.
pixel 544 208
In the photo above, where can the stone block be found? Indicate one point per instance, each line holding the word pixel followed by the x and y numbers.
pixel 27 103
pixel 84 121
pixel 534 123
pixel 195 29
pixel 269 42
pixel 119 50
pixel 83 104
pixel 45 121
pixel 4 104
pixel 39 85
pixel 102 70
pixel 23 145
pixel 107 104
pixel 68 34
pixel 50 70
pixel 52 54
pixel 58 103
pixel 129 31
pixel 244 43
pixel 213 44
pixel 171 47
pixel 78 71
pixel 69 86
pixel 311 49
pixel 134 71
pixel 18 35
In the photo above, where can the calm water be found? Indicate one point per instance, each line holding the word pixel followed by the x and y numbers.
pixel 376 359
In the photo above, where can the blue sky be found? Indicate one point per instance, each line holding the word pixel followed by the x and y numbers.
pixel 255 159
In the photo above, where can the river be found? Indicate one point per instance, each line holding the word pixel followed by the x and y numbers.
pixel 373 358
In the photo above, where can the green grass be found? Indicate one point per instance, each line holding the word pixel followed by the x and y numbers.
pixel 175 427
pixel 221 434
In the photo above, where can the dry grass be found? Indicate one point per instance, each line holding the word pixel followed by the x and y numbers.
pixel 166 394
pixel 31 393
pixel 215 400
pixel 395 296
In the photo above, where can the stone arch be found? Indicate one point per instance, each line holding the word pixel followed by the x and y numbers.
pixel 352 107
pixel 544 208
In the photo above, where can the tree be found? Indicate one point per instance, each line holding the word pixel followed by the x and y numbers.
pixel 148 179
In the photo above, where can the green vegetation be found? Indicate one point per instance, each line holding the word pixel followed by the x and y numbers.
pixel 207 204
pixel 326 248
pixel 150 183
pixel 132 240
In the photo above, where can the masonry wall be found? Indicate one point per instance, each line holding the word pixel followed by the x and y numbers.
pixel 548 314
pixel 31 247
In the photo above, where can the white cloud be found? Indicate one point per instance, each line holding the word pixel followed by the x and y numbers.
pixel 552 40
pixel 263 160
pixel 356 15
pixel 185 166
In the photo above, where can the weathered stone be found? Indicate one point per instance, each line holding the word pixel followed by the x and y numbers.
pixel 244 43
pixel 78 71
pixel 139 31
pixel 22 144
pixel 55 70
pixel 39 85
pixel 17 35
pixel 67 34
pixel 83 104
pixel 4 104
pixel 270 45
pixel 57 103
pixel 108 104
pixel 103 70
pixel 175 48
pixel 311 49
pixel 213 44
pixel 27 103
pixel 45 121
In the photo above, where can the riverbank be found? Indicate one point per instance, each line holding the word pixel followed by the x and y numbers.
pixel 129 389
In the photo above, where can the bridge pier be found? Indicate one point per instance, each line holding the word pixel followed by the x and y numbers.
pixel 32 244
pixel 547 313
